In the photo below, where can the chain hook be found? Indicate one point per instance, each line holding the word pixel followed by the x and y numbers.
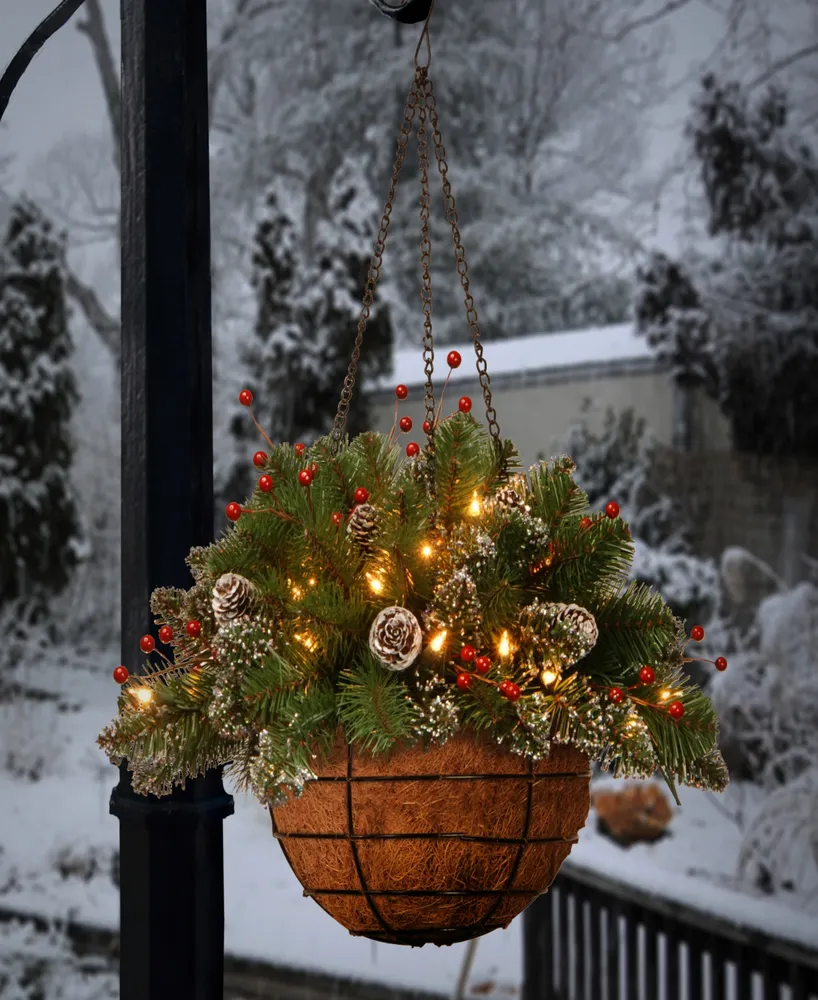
pixel 425 35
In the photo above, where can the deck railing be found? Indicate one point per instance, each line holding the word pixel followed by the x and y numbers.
pixel 594 938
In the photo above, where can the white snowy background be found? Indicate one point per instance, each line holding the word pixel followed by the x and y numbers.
pixel 616 166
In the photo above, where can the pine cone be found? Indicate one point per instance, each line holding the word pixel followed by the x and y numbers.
pixel 362 524
pixel 233 596
pixel 510 498
pixel 561 634
pixel 395 638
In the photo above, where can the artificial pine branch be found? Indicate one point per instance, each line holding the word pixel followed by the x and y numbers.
pixel 374 707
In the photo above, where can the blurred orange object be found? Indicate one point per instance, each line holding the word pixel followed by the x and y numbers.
pixel 638 813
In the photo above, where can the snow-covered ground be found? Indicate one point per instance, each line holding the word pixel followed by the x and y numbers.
pixel 57 841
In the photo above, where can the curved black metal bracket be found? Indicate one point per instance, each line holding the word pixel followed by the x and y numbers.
pixel 405 11
pixel 49 26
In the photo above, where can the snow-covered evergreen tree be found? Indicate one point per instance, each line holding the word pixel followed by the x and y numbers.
pixel 308 306
pixel 743 321
pixel 38 516
pixel 615 463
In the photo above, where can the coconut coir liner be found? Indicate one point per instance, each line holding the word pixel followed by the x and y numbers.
pixel 433 846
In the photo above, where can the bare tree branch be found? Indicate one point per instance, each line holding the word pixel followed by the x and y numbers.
pixel 94 28
pixel 785 62
pixel 99 319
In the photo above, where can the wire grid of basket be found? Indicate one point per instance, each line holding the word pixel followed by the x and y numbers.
pixel 433 846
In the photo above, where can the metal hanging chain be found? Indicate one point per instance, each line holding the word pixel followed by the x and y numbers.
pixel 426 285
pixel 374 271
pixel 429 104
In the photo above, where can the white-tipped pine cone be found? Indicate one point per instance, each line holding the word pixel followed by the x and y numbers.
pixel 362 525
pixel 561 633
pixel 233 596
pixel 396 638
pixel 512 499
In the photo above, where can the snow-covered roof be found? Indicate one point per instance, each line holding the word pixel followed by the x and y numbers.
pixel 603 346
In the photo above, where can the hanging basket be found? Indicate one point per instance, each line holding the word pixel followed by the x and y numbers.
pixel 433 846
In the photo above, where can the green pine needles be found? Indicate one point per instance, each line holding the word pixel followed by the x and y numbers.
pixel 350 593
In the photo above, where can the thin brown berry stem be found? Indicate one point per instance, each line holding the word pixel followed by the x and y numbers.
pixel 260 429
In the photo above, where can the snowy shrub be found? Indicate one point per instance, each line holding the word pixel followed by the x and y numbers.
pixel 616 464
pixel 39 530
pixel 308 301
pixel 767 703
pixel 41 965
pixel 741 320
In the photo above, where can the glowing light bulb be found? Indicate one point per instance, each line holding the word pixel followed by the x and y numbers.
pixel 504 646
pixel 427 551
pixel 306 640
pixel 474 506
pixel 312 581
pixel 144 695
pixel 375 584
pixel 437 642
pixel 548 676
pixel 665 695
pixel 297 592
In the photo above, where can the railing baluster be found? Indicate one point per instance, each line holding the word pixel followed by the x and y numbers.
pixel 538 950
pixel 565 943
pixel 652 984
pixel 613 949
pixel 594 956
pixel 580 943
pixel 673 985
pixel 631 954
pixel 695 971
pixel 744 973
pixel 717 969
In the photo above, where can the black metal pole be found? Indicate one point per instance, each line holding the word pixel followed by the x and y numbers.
pixel 171 854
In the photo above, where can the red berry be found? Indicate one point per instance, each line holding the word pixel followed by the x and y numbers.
pixel 361 495
pixel 616 696
pixel 467 654
pixel 453 359
pixel 232 511
pixel 405 424
pixel 427 427
pixel 464 405
pixel 585 523
pixel 337 519
pixel 121 675
pixel 193 629
pixel 298 449
pixel 265 484
pixel 612 509
pixel 259 459
pixel 464 681
pixel 647 675
pixel 401 391
pixel 721 663
pixel 246 397
pixel 482 664
pixel 305 477
pixel 147 644
pixel 512 692
pixel 412 449
pixel 165 633
pixel 697 633
pixel 676 709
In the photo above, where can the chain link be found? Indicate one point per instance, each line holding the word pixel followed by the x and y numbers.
pixel 428 103
pixel 375 265
pixel 426 283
